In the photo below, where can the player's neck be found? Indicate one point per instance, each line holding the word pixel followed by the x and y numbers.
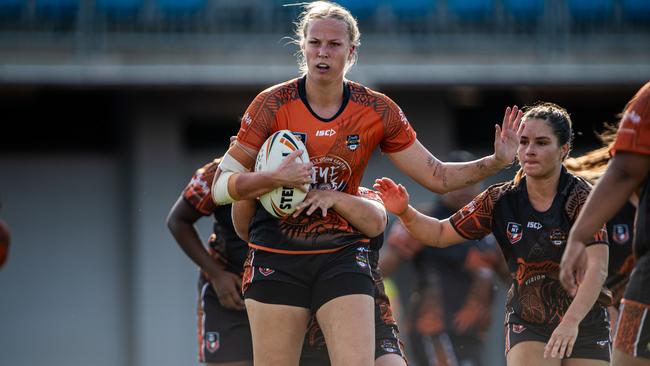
pixel 542 190
pixel 324 95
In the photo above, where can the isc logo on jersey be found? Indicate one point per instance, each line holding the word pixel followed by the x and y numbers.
pixel 281 201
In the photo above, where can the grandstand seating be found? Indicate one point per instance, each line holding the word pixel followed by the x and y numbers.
pixel 471 10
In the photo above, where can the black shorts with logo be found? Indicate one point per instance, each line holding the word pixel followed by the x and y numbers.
pixel 590 346
pixel 387 341
pixel 307 280
pixel 224 335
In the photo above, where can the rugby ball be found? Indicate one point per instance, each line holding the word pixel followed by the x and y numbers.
pixel 282 201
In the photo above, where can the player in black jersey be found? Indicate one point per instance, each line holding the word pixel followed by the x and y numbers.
pixel 451 307
pixel 530 217
pixel 626 174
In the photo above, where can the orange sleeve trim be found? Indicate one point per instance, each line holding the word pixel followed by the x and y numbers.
pixel 635 303
pixel 319 251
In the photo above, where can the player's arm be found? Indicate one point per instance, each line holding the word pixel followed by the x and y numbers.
pixel 180 221
pixel 564 336
pixel 366 215
pixel 423 228
pixel 234 180
pixel 419 164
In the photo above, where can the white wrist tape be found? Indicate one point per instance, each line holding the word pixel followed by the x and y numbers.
pixel 228 167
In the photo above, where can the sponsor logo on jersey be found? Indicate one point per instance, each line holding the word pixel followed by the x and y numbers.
pixel 534 225
pixel 604 343
pixel 330 172
pixel 247 119
pixel 212 342
pixel 518 328
pixel 301 135
pixel 265 271
pixel 352 142
pixel 330 132
pixel 514 231
pixel 621 233
pixel 558 237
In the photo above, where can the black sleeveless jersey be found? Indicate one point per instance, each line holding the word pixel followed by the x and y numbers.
pixel 532 243
pixel 641 234
pixel 225 240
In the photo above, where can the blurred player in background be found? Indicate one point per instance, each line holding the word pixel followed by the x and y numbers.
pixel 626 174
pixel 452 306
pixel 530 217
pixel 313 257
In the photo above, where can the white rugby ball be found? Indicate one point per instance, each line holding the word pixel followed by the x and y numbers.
pixel 282 201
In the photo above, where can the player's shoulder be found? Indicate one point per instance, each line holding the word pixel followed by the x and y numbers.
pixel 363 95
pixel 499 190
pixel 287 90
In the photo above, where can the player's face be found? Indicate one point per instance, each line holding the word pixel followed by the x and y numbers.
pixel 539 152
pixel 327 50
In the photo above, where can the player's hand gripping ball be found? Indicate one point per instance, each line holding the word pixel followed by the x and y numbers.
pixel 282 201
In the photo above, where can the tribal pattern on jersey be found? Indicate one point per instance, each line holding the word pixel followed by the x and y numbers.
pixel 339 148
pixel 532 243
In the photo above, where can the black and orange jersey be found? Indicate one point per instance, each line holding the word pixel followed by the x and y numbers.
pixel 532 243
pixel 620 231
pixel 633 136
pixel 339 148
pixel 224 242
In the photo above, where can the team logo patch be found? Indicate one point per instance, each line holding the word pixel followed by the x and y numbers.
pixel 621 233
pixel 352 142
pixel 518 328
pixel 265 271
pixel 362 260
pixel 514 231
pixel 558 237
pixel 212 342
pixel 301 135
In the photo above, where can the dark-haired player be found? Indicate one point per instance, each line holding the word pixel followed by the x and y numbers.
pixel 530 218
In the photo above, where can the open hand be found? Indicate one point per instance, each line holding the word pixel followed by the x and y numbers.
pixel 395 196
pixel 227 286
pixel 507 136
pixel 560 345
pixel 315 199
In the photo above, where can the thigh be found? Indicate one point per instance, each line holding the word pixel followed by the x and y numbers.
pixel 390 359
pixel 620 358
pixel 347 323
pixel 278 332
pixel 584 362
pixel 530 353
pixel 224 335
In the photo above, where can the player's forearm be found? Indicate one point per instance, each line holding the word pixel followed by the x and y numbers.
pixel 459 175
pixel 589 289
pixel 250 185
pixel 188 239
pixel 361 213
pixel 422 228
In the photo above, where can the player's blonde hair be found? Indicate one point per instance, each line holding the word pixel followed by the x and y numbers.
pixel 325 10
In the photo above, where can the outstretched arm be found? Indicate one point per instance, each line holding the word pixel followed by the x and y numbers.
pixel 418 163
pixel 624 175
pixel 423 228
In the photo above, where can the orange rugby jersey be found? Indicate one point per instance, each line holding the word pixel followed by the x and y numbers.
pixel 339 148
pixel 634 132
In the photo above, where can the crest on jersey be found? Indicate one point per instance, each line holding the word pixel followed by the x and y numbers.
pixel 514 231
pixel 212 342
pixel 265 271
pixel 558 237
pixel 352 142
pixel 620 233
